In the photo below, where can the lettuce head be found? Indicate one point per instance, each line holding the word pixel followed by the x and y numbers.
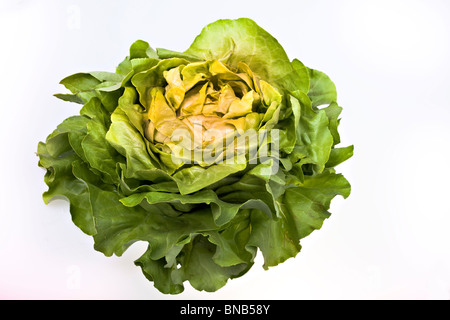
pixel 207 155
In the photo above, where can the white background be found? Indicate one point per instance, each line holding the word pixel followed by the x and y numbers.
pixel 389 61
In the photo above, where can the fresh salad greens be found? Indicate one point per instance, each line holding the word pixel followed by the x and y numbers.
pixel 208 155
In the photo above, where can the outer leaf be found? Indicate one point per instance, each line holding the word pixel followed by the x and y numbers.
pixel 70 98
pixel 62 182
pixel 223 212
pixel 314 139
pixel 232 248
pixel 303 73
pixel 333 111
pixel 80 82
pixel 141 49
pixel 156 271
pixel 118 226
pixel 167 54
pixel 308 205
pixel 195 178
pixel 272 237
pixel 129 142
pixel 322 90
pixel 99 153
pixel 233 41
pixel 339 155
pixel 199 268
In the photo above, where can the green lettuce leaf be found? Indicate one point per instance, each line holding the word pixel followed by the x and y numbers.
pixel 233 41
pixel 264 180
